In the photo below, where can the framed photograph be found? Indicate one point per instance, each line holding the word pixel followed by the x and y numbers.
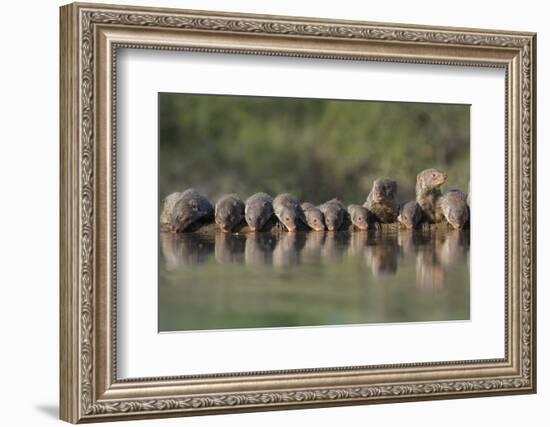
pixel 265 212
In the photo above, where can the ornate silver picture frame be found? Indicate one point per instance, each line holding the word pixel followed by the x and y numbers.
pixel 91 34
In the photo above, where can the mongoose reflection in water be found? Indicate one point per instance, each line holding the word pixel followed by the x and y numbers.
pixel 313 246
pixel 286 252
pixel 334 213
pixel 455 208
pixel 185 249
pixel 430 274
pixel 428 193
pixel 229 248
pixel 288 211
pixel 410 214
pixel 454 249
pixel 190 208
pixel 381 256
pixel 357 244
pixel 359 216
pixel 314 217
pixel 334 246
pixel 381 201
pixel 258 211
pixel 259 248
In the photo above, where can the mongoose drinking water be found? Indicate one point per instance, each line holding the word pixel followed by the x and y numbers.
pixel 166 212
pixel 190 208
pixel 334 213
pixel 288 211
pixel 258 211
pixel 381 201
pixel 229 212
pixel 410 214
pixel 428 193
pixel 455 208
pixel 359 216
pixel 314 217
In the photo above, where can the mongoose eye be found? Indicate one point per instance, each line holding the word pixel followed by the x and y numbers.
pixel 315 221
pixel 433 175
pixel 287 219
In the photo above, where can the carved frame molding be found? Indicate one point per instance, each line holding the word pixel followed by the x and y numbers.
pixel 90 37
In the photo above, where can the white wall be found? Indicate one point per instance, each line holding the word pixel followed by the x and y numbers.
pixel 29 170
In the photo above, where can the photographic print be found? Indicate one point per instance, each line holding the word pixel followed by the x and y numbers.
pixel 287 212
pixel 294 191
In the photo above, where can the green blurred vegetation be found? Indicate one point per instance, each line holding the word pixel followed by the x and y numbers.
pixel 315 149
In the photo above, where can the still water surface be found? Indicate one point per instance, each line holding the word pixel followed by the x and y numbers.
pixel 228 281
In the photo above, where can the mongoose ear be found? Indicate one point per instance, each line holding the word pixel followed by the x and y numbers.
pixel 264 204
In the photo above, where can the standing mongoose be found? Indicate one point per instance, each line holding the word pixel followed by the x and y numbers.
pixel 410 214
pixel 359 216
pixel 314 217
pixel 455 208
pixel 190 208
pixel 428 193
pixel 229 212
pixel 166 211
pixel 258 211
pixel 334 213
pixel 381 201
pixel 288 211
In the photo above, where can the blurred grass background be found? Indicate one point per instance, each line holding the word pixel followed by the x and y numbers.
pixel 315 149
